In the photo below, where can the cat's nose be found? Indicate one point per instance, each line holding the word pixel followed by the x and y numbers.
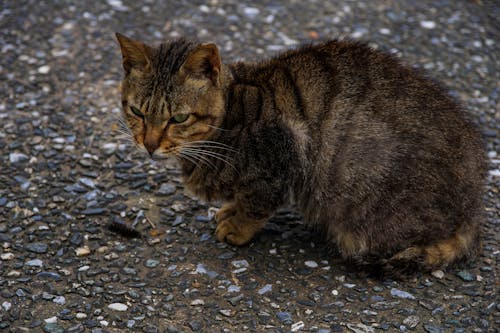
pixel 151 146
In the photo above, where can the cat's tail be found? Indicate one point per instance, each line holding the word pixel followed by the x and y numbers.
pixel 460 247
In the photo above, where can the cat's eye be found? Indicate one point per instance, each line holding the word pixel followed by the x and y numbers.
pixel 180 118
pixel 136 111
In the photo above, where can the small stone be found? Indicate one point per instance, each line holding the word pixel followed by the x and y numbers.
pixel 428 24
pixel 429 328
pixel 59 300
pixel 51 320
pixel 311 264
pixel 233 289
pixel 7 256
pixel 151 263
pixel 240 263
pixel 53 328
pixel 18 157
pixel 285 317
pixel 34 263
pixel 226 313
pixel 411 321
pixel 360 328
pixel 197 302
pixel 297 326
pixel 166 189
pixel 44 69
pixel 82 251
pixel 466 276
pixel 109 148
pixel 118 307
pixel 265 289
pixel 81 315
pixel 76 239
pixel 36 247
pixel 439 274
pixel 6 305
pixel 251 12
pixel 401 294
pixel 87 182
pixel 195 325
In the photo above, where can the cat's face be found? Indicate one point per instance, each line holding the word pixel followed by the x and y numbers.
pixel 171 95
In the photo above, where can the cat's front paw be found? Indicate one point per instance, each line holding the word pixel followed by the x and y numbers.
pixel 233 233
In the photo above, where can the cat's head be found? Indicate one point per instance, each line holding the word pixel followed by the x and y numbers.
pixel 172 94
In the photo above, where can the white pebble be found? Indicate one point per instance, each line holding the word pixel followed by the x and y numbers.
pixel 438 274
pixel 51 320
pixel 385 31
pixel 428 24
pixel 335 292
pixel 240 263
pixel 118 306
pixel 6 305
pixel 59 300
pixel 82 251
pixel 104 323
pixel 297 326
pixel 7 256
pixel 43 69
pixel 17 157
pixel 311 264
pixel 197 302
pixel 81 315
pixel 251 12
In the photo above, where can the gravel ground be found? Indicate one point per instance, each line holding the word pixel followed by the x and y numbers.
pixel 66 172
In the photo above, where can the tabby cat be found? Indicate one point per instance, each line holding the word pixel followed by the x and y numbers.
pixel 377 157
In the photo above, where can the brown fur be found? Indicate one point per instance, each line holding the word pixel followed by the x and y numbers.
pixel 373 153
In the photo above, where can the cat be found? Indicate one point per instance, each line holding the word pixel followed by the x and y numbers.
pixel 376 156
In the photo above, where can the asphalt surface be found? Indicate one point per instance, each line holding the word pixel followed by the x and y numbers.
pixel 66 172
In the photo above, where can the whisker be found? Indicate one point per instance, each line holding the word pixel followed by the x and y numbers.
pixel 219 157
pixel 202 159
pixel 212 144
pixel 218 128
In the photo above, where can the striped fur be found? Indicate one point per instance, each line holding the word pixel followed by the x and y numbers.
pixel 377 157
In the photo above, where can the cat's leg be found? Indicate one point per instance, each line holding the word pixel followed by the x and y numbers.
pixel 236 226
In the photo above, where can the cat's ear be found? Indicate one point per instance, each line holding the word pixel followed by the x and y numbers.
pixel 203 62
pixel 135 54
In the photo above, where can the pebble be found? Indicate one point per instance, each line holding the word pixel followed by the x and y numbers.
pixel 297 326
pixel 81 315
pixel 44 69
pixel 197 302
pixel 7 256
pixel 360 328
pixel 285 317
pixel 411 321
pixel 428 24
pixel 166 189
pixel 118 307
pixel 151 263
pixel 240 263
pixel 466 276
pixel 430 328
pixel 53 328
pixel 34 263
pixel 59 300
pixel 251 12
pixel 6 305
pixel 51 320
pixel 37 247
pixel 82 251
pixel 18 157
pixel 226 313
pixel 401 294
pixel 439 274
pixel 265 289
pixel 311 264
